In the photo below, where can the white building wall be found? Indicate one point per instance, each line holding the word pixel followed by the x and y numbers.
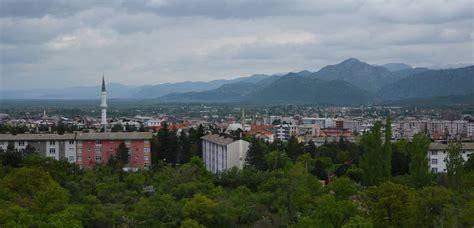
pixel 19 145
pixel 437 159
pixel 52 149
pixel 237 153
pixel 218 158
pixel 70 151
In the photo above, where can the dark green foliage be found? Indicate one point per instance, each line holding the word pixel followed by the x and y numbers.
pixel 123 155
pixel 294 148
pixel 419 165
pixel 400 158
pixel 117 128
pixel 256 155
pixel 387 149
pixel 372 161
pixel 455 164
pixel 167 145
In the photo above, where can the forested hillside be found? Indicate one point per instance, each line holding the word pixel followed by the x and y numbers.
pixel 370 184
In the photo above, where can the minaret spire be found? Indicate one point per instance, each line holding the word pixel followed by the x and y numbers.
pixel 103 104
pixel 103 84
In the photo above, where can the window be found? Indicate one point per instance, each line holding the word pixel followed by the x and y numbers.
pixel 21 143
pixel 146 158
pixel 98 158
pixel 434 161
pixel 79 159
pixel 434 152
pixel 146 150
pixel 98 142
pixel 52 142
pixel 71 158
pixel 434 170
pixel 71 142
pixel 52 150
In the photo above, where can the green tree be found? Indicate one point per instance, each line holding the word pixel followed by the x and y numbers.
pixel 400 157
pixel 358 222
pixel 123 155
pixel 277 160
pixel 387 150
pixel 330 212
pixel 419 164
pixel 455 164
pixel 307 161
pixel 184 148
pixel 256 154
pixel 160 210
pixel 343 188
pixel 117 128
pixel 431 206
pixel 390 205
pixel 293 148
pixel 93 211
pixel 201 209
pixel 167 145
pixel 190 223
pixel 373 159
pixel 469 164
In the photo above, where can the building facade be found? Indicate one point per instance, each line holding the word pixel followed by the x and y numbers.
pixel 281 132
pixel 85 149
pixel 438 153
pixel 220 153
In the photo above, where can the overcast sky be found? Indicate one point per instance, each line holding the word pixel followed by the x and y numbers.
pixel 56 43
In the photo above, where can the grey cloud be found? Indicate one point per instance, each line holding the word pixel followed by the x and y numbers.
pixel 40 8
pixel 156 41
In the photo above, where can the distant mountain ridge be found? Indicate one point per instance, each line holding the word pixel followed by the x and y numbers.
pixel 363 75
pixel 116 90
pixel 349 82
pixel 432 83
pixel 328 87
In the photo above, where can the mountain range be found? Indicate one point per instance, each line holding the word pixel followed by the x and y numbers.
pixel 349 82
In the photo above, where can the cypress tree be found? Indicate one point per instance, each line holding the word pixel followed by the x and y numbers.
pixel 419 163
pixel 372 161
pixel 387 150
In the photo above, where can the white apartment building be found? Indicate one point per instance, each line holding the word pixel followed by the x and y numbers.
pixel 281 132
pixel 438 152
pixel 220 153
